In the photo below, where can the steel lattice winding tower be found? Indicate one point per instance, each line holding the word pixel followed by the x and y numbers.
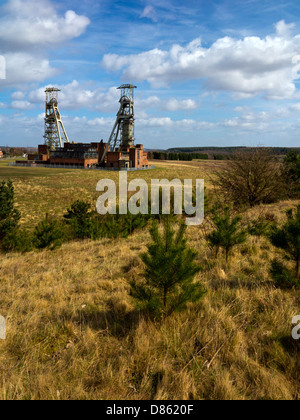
pixel 55 134
pixel 122 134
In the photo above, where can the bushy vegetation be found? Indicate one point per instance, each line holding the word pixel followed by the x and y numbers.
pixel 48 234
pixel 283 277
pixel 83 221
pixel 79 222
pixel 18 240
pixel 291 174
pixel 287 239
pixel 251 178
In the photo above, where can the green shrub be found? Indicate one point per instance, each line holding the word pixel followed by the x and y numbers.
pixel 259 227
pixel 48 234
pixel 282 276
pixel 18 241
pixel 84 222
pixel 227 232
pixel 287 238
pixel 291 174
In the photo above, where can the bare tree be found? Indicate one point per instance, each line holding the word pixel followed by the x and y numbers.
pixel 251 177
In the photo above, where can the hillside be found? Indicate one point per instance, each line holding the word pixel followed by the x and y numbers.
pixel 73 331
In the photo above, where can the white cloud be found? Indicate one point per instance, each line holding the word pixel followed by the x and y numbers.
pixel 155 122
pixel 149 102
pixel 245 67
pixel 171 104
pixel 250 120
pixel 27 29
pixel 179 125
pixel 295 107
pixel 175 105
pixel 75 96
pixel 18 95
pixel 24 67
pixel 30 23
pixel 22 105
pixel 101 122
pixel 150 13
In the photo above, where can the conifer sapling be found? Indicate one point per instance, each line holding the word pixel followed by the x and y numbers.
pixel 170 271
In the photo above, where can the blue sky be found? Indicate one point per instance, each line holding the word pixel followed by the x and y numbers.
pixel 209 73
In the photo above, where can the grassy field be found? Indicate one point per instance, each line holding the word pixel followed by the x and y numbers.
pixel 41 190
pixel 73 331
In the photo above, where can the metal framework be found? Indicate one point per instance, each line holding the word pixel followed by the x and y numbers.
pixel 55 133
pixel 122 135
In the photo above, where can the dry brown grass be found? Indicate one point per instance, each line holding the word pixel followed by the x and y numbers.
pixel 73 332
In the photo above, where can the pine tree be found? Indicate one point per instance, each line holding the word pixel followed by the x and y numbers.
pixel 227 233
pixel 287 238
pixel 169 275
pixel 84 222
pixel 291 174
pixel 47 234
pixel 9 216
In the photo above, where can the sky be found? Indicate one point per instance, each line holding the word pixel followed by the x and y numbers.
pixel 208 73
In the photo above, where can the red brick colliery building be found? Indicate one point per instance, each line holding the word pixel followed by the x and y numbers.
pixel 88 155
pixel 118 153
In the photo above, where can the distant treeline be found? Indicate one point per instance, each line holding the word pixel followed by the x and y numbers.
pixel 177 156
pixel 229 150
pixel 203 149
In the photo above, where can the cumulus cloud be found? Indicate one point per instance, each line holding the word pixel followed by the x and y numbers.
pixel 149 102
pixel 22 105
pixel 18 95
pixel 76 96
pixel 294 107
pixel 171 104
pixel 81 96
pixel 25 67
pixel 249 120
pixel 179 125
pixel 29 23
pixel 185 104
pixel 27 27
pixel 245 67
